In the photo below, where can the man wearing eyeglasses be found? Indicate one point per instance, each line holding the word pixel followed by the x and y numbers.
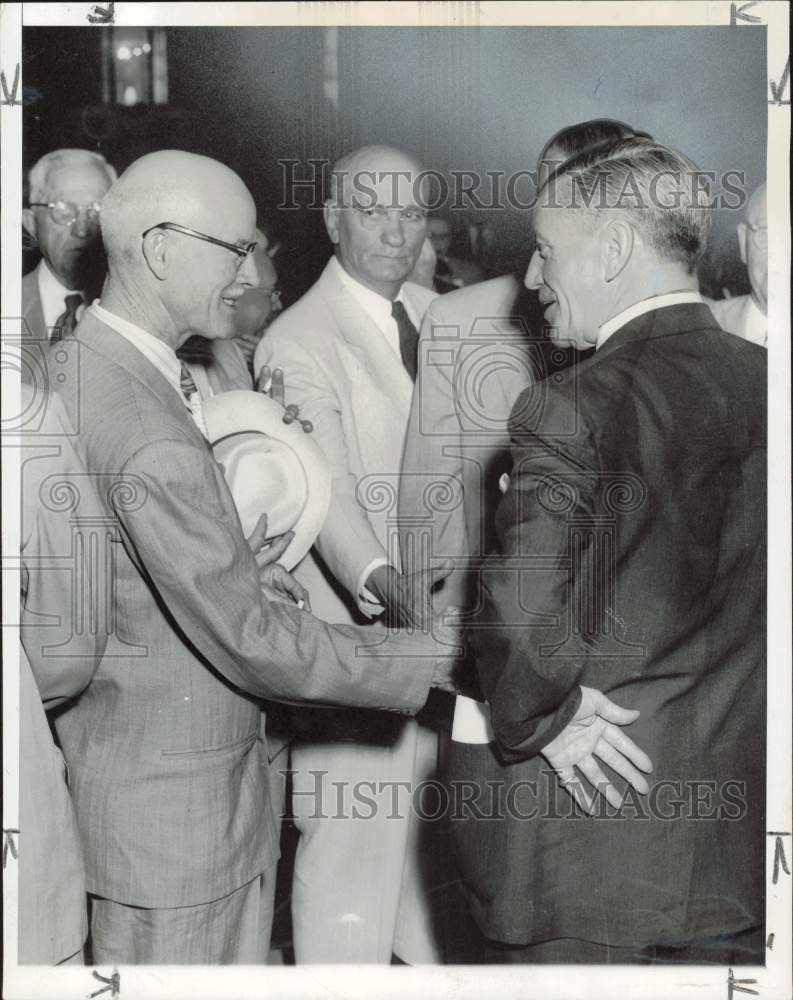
pixel 66 187
pixel 747 315
pixel 168 772
pixel 361 891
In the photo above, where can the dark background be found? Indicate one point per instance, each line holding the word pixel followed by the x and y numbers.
pixel 462 99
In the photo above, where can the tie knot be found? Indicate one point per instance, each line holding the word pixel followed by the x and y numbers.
pixel 73 302
pixel 188 386
pixel 399 312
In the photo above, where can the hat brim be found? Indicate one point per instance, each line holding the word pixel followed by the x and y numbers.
pixel 243 410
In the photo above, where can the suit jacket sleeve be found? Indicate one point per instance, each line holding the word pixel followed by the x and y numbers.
pixel 186 539
pixel 56 569
pixel 347 541
pixel 530 654
pixel 431 512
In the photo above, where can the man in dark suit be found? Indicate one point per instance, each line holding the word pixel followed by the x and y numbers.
pixel 168 771
pixel 631 557
pixel 65 188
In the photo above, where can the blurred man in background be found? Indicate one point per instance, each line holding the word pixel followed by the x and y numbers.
pixel 62 217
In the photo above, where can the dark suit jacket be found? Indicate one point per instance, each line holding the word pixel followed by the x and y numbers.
pixel 168 774
pixel 637 506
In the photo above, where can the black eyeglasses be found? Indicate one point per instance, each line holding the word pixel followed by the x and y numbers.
pixel 243 250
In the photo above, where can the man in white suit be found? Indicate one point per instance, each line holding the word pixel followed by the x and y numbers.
pixel 747 315
pixel 348 352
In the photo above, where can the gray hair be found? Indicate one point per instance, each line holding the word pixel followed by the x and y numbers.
pixel 659 190
pixel 39 172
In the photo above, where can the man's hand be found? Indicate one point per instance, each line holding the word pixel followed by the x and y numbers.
pixel 271 383
pixel 272 575
pixel 592 734
pixel 407 598
pixel 448 634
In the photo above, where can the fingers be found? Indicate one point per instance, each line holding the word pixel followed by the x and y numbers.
pixel 273 552
pixel 622 766
pixel 599 781
pixel 574 787
pixel 612 712
pixel 277 386
pixel 625 745
pixel 259 535
pixel 264 379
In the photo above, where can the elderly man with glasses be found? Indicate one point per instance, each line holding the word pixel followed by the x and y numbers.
pixel 65 190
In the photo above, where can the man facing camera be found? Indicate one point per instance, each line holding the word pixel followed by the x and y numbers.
pixel 65 189
pixel 630 557
pixel 348 352
pixel 168 770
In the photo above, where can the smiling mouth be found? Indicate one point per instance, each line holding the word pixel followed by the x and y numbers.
pixel 230 302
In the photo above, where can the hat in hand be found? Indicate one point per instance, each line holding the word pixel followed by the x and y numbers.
pixel 271 468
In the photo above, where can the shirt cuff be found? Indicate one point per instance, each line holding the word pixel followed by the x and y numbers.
pixel 367 602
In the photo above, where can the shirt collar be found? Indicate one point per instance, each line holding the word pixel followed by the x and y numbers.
pixel 52 294
pixel 605 330
pixel 154 350
pixel 377 307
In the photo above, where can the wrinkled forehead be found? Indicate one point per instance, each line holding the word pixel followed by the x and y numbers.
pixel 389 183
pixel 76 182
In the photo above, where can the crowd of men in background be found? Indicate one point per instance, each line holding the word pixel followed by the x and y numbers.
pixel 649 447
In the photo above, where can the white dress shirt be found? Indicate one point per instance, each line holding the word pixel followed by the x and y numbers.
pixel 605 330
pixel 52 294
pixel 378 309
pixel 158 353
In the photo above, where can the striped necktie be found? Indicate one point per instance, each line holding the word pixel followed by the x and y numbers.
pixel 192 398
pixel 67 321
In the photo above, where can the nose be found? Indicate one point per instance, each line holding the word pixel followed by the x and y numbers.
pixel 393 233
pixel 533 278
pixel 82 226
pixel 248 274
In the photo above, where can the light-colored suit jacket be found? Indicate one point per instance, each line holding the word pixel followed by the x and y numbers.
pixel 169 777
pixel 56 663
pixel 33 328
pixel 474 361
pixel 353 387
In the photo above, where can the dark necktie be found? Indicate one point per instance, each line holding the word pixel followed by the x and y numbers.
pixel 408 339
pixel 67 321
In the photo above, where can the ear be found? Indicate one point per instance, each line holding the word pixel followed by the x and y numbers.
pixel 155 253
pixel 616 248
pixel 29 221
pixel 330 213
pixel 743 233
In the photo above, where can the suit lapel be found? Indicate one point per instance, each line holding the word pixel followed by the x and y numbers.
pixel 34 327
pixel 104 340
pixel 366 340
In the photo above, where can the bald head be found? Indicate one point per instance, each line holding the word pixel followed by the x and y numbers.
pixel 753 245
pixel 357 173
pixel 173 186
pixel 180 283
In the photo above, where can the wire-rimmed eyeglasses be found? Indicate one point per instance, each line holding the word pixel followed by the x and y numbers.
pixel 243 250
pixel 64 213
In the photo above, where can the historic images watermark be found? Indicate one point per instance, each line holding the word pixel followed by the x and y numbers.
pixel 537 798
pixel 304 185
